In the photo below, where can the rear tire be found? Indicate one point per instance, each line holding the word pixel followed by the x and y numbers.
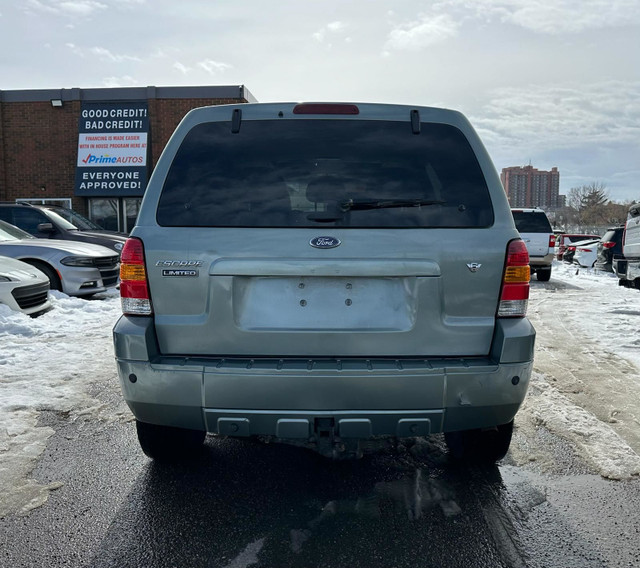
pixel 543 274
pixel 480 446
pixel 49 272
pixel 165 443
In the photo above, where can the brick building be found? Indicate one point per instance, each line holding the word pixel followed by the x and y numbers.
pixel 529 187
pixel 49 150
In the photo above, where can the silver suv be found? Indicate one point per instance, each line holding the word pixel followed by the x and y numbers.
pixel 302 273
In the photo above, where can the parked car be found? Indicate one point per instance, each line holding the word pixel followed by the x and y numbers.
pixel 586 253
pixel 80 221
pixel 570 251
pixel 563 240
pixel 302 273
pixel 55 222
pixel 75 268
pixel 536 232
pixel 23 288
pixel 631 248
pixel 610 247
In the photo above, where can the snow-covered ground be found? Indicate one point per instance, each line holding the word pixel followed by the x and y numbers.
pixel 586 382
pixel 55 362
pixel 61 360
pixel 602 310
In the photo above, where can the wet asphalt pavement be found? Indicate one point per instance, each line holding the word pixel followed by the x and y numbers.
pixel 246 504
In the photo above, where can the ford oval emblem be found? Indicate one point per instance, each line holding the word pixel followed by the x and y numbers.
pixel 325 242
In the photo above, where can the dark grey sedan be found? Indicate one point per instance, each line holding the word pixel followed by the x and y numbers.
pixel 55 222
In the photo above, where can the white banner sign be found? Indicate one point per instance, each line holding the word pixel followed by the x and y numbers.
pixel 121 149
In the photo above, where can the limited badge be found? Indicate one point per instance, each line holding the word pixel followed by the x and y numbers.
pixel 180 273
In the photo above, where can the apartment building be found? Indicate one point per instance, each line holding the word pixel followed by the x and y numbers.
pixel 527 186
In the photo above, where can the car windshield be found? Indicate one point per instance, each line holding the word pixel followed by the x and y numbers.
pixel 10 233
pixel 312 173
pixel 75 219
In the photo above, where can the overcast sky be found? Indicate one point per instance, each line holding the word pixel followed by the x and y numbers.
pixel 546 82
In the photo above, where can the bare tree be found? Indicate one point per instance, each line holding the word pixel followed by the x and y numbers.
pixel 587 196
pixel 566 218
pixel 589 202
pixel 616 213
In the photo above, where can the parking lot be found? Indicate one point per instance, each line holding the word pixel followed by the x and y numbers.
pixel 77 491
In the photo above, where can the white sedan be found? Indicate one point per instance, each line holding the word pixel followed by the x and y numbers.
pixel 23 288
pixel 586 253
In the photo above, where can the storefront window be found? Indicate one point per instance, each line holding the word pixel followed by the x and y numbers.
pixel 115 214
pixel 132 208
pixel 105 212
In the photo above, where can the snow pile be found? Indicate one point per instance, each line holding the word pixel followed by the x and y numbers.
pixel 52 362
pixel 594 440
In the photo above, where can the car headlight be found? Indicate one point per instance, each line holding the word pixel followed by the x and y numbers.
pixel 78 261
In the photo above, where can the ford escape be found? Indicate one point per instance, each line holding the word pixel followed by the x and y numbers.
pixel 324 275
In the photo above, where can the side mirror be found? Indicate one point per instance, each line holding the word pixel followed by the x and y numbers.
pixel 46 228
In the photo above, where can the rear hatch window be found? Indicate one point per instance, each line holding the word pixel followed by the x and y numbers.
pixel 528 222
pixel 325 173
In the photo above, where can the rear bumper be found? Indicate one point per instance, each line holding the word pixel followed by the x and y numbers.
pixel 541 261
pixel 605 260
pixel 618 266
pixel 291 398
pixel 633 269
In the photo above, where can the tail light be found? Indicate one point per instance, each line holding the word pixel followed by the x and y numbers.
pixel 514 295
pixel 134 288
pixel 552 241
pixel 584 249
pixel 608 245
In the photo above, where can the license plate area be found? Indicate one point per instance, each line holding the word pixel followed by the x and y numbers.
pixel 324 303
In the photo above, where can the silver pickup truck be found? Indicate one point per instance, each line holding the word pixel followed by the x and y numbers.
pixel 326 275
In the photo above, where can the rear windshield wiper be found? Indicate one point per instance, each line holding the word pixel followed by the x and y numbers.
pixel 352 205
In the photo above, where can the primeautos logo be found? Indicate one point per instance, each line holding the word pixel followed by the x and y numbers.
pixel 91 159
